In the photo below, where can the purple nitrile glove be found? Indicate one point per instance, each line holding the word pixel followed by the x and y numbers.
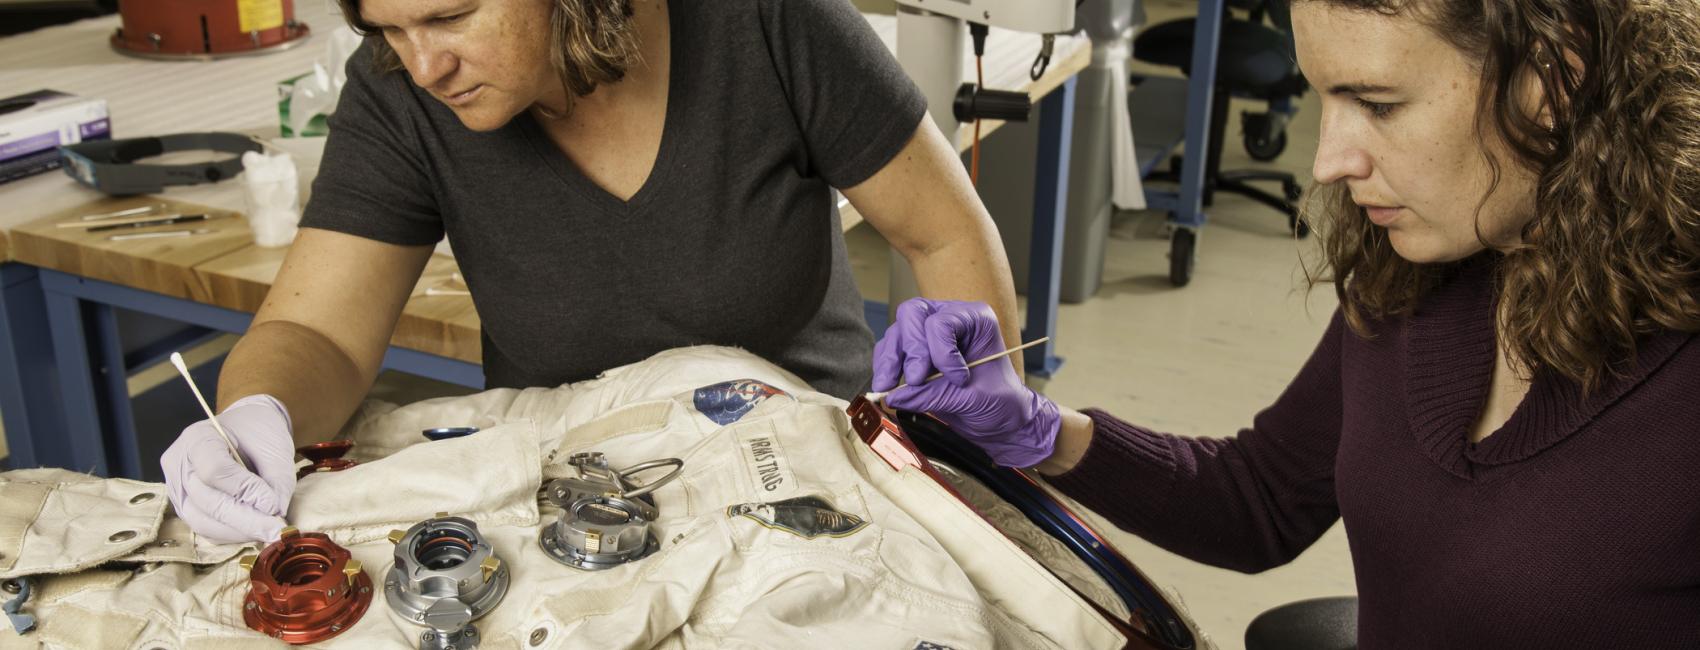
pixel 987 404
pixel 220 498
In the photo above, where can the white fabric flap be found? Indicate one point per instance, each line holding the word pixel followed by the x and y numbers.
pixel 491 477
pixel 54 521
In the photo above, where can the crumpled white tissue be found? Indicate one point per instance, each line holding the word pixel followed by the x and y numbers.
pixel 273 193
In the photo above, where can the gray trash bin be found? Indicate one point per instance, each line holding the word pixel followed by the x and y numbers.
pixel 1006 186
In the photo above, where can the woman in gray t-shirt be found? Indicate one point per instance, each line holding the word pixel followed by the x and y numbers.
pixel 616 178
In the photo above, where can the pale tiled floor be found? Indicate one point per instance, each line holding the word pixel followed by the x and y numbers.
pixel 1194 361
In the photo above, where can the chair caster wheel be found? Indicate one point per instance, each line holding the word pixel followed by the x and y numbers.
pixel 1183 256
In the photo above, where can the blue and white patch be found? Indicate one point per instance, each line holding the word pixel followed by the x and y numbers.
pixel 727 402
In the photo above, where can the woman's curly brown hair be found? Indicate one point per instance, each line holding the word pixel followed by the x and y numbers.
pixel 1613 250
pixel 595 42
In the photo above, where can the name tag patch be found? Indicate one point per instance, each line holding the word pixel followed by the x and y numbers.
pixel 765 462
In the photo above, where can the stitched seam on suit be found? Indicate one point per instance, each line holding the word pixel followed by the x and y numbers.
pixel 20 505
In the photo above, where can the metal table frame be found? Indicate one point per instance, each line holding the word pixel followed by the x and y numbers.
pixel 1186 207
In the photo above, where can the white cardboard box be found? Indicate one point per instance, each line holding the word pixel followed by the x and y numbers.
pixel 34 125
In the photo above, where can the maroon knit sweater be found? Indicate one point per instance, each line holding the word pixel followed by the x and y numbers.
pixel 1575 525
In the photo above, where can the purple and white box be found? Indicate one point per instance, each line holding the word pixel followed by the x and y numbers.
pixel 34 125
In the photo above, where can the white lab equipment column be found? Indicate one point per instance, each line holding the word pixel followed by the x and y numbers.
pixel 929 47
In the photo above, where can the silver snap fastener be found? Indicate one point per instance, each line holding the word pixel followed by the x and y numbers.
pixel 167 543
pixel 538 635
pixel 142 498
pixel 11 587
pixel 122 536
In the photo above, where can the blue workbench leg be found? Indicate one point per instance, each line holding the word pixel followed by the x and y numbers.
pixel 113 391
pixel 80 447
pixel 1050 215
pixel 1186 214
pixel 29 388
pixel 1200 97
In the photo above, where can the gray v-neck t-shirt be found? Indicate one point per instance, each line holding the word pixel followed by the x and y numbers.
pixel 734 239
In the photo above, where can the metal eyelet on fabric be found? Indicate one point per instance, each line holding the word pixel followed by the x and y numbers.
pixel 142 498
pixel 606 516
pixel 445 577
pixel 325 457
pixel 122 536
pixel 304 588
pixel 18 591
pixel 538 636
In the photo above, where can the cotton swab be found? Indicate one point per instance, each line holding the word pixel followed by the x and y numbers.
pixel 879 398
pixel 177 360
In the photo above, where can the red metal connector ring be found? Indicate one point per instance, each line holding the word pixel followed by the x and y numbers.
pixel 304 588
pixel 326 457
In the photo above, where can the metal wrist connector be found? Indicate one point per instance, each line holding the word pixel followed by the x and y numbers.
pixel 606 516
pixel 304 588
pixel 445 577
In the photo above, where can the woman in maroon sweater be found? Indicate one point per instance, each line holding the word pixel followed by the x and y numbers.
pixel 1506 409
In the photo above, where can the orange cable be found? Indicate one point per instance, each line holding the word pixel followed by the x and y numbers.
pixel 980 83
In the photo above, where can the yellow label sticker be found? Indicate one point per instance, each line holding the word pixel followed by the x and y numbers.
pixel 259 15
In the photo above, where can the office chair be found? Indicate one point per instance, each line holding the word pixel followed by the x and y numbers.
pixel 1315 624
pixel 1255 61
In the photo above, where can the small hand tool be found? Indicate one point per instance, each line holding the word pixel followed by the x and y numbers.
pixel 175 219
pixel 86 224
pixel 879 398
pixel 158 234
pixel 177 360
pixel 146 209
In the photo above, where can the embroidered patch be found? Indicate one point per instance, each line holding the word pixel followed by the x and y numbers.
pixel 769 471
pixel 807 517
pixel 726 402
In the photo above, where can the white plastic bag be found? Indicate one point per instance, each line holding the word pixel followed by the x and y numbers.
pixel 317 93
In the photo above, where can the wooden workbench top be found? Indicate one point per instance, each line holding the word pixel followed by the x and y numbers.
pixel 225 269
pixel 164 266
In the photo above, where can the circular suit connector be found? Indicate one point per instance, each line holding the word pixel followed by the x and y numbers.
pixel 606 515
pixel 600 532
pixel 325 457
pixel 445 577
pixel 303 588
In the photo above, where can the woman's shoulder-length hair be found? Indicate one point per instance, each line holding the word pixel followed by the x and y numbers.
pixel 594 42
pixel 1613 251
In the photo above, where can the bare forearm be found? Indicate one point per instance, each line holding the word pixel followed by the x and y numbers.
pixel 973 268
pixel 1073 437
pixel 315 380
